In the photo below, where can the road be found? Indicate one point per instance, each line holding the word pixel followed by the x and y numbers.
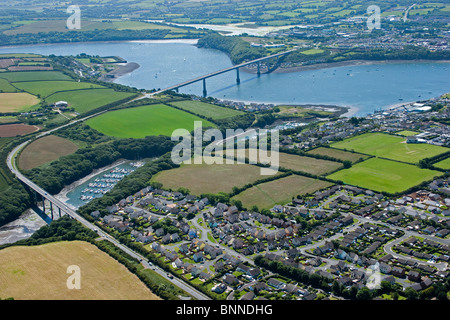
pixel 11 162
pixel 405 17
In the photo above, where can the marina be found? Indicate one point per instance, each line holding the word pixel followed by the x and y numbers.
pixel 100 183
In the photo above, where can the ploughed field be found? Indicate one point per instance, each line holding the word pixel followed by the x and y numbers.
pixel 44 150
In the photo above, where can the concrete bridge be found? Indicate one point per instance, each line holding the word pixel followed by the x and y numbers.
pixel 236 67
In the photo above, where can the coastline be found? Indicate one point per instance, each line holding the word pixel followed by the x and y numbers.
pixel 62 195
pixel 343 111
pixel 121 70
pixel 345 63
pixel 129 68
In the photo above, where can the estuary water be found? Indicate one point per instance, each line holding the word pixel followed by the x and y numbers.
pixel 363 88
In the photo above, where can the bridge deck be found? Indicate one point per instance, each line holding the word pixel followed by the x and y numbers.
pixel 209 75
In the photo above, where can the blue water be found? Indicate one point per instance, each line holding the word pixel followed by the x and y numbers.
pixel 75 196
pixel 365 88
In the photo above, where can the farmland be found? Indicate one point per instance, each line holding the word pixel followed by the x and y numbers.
pixel 407 133
pixel 388 146
pixel 207 110
pixel 5 86
pixel 85 100
pixel 307 164
pixel 280 191
pixel 204 178
pixel 35 27
pixel 17 129
pixel 338 154
pixel 294 162
pixel 34 76
pixel 23 270
pixel 444 164
pixel 144 121
pixel 46 88
pixel 299 112
pixel 384 175
pixel 44 150
pixel 15 102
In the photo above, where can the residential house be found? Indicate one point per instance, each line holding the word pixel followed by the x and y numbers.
pixel 275 283
pixel 231 280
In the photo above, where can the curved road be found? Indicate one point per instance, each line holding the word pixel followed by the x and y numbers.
pixel 11 162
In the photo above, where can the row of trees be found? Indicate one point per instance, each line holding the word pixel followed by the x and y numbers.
pixel 89 35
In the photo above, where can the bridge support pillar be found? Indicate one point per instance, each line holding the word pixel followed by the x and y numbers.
pixel 259 69
pixel 59 212
pixel 51 209
pixel 238 79
pixel 43 204
pixel 205 93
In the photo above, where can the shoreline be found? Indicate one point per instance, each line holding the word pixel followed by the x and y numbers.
pixel 130 67
pixel 346 63
pixel 62 195
pixel 121 70
pixel 341 110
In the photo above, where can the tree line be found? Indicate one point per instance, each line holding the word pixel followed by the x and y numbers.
pixel 91 35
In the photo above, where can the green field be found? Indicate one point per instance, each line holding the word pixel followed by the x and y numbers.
pixel 207 110
pixel 145 121
pixel 312 51
pixel 89 25
pixel 46 88
pixel 34 76
pixel 407 133
pixel 384 175
pixel 86 100
pixel 444 164
pixel 280 191
pixel 390 147
pixel 338 154
pixel 5 86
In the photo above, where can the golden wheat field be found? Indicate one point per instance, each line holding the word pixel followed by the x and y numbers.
pixel 41 273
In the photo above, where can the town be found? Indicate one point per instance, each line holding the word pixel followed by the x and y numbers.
pixel 341 234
